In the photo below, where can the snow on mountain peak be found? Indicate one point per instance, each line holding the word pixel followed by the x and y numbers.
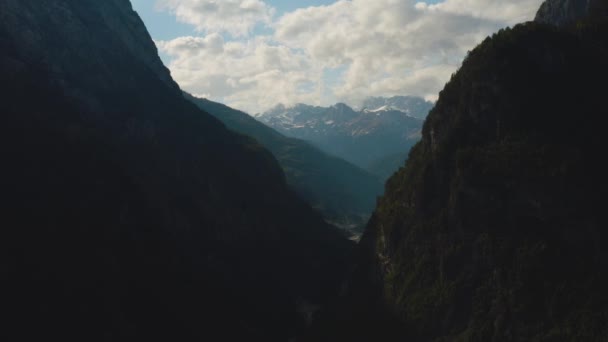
pixel 384 108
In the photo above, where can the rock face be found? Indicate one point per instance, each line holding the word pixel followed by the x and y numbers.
pixel 345 194
pixel 130 214
pixel 120 23
pixel 563 12
pixel 494 230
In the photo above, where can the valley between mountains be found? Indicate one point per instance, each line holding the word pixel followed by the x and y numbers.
pixel 135 211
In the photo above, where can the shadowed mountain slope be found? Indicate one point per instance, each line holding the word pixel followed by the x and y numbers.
pixel 130 214
pixel 495 228
pixel 343 193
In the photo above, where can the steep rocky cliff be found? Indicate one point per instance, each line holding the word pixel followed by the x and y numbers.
pixel 564 12
pixel 130 214
pixel 495 229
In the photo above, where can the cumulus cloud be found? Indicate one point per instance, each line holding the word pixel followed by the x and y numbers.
pixel 381 47
pixel 237 17
pixel 254 74
pixel 512 11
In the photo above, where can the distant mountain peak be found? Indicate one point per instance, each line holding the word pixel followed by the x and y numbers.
pixel 385 108
pixel 375 135
pixel 413 106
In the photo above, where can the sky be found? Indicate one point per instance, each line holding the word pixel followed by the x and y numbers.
pixel 255 54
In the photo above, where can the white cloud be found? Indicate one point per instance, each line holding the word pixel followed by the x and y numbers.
pixel 512 11
pixel 237 17
pixel 385 47
pixel 253 74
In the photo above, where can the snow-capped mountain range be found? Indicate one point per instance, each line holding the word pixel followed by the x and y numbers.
pixel 381 128
pixel 410 105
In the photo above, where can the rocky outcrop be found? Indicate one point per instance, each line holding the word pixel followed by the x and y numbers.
pixel 563 12
pixel 73 21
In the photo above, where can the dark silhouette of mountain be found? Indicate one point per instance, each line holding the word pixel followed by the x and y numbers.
pixel 365 138
pixel 565 12
pixel 343 193
pixel 495 229
pixel 128 213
